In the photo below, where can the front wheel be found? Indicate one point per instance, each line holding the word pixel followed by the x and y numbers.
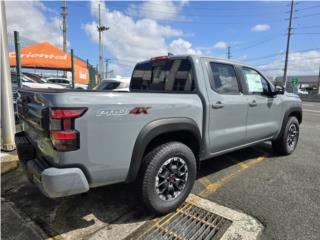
pixel 168 175
pixel 287 142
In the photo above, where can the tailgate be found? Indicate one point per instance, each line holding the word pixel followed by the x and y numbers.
pixel 33 110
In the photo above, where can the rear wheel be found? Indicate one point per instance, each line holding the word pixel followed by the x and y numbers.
pixel 168 175
pixel 287 142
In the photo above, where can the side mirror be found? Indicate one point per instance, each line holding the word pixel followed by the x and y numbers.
pixel 278 90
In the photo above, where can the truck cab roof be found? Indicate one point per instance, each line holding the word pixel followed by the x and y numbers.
pixel 197 56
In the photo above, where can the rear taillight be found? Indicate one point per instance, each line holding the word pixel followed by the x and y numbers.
pixel 63 134
pixel 66 113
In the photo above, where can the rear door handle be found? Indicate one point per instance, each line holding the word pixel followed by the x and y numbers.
pixel 253 103
pixel 217 105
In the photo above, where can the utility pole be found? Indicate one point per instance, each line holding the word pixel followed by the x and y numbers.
pixel 229 52
pixel 319 81
pixel 7 113
pixel 101 29
pixel 64 24
pixel 64 28
pixel 285 71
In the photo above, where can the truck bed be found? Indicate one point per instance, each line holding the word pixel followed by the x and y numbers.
pixel 104 152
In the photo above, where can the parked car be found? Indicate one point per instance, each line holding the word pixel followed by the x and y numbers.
pixel 66 82
pixel 114 84
pixel 33 77
pixel 28 82
pixel 61 81
pixel 302 91
pixel 180 111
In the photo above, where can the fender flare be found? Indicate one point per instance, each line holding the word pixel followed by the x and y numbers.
pixel 154 129
pixel 286 117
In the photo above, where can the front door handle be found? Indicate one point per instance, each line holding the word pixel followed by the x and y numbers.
pixel 217 105
pixel 253 103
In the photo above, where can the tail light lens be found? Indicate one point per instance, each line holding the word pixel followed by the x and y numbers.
pixel 66 113
pixel 63 134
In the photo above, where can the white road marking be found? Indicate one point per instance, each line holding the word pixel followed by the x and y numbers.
pixel 310 110
pixel 308 104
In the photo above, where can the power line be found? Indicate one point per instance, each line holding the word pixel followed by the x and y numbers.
pixel 310 26
pixel 214 23
pixel 136 8
pixel 191 21
pixel 228 8
pixel 306 33
pixel 279 54
pixel 265 57
pixel 258 43
pixel 310 7
pixel 306 50
pixel 307 15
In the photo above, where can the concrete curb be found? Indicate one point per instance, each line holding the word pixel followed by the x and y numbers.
pixel 9 162
pixel 243 226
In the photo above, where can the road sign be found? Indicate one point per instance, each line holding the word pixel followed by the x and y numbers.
pixel 294 81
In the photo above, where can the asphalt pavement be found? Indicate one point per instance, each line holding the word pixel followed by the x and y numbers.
pixel 283 193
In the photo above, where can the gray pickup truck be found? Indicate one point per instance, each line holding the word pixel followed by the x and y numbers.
pixel 180 110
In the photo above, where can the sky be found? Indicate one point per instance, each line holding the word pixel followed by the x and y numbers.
pixel 256 31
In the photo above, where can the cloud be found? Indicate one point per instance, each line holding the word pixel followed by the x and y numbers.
pixel 220 45
pixel 158 10
pixel 180 46
pixel 129 41
pixel 300 63
pixel 260 28
pixel 31 19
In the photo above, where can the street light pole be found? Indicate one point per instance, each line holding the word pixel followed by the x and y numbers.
pixel 101 29
pixel 7 113
pixel 64 28
pixel 229 52
pixel 64 25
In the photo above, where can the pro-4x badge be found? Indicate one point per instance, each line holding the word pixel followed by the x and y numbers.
pixel 139 110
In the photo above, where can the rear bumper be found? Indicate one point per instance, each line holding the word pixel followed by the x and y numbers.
pixel 52 181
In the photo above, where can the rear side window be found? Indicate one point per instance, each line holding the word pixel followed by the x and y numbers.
pixel 108 85
pixel 224 79
pixel 58 81
pixel 163 76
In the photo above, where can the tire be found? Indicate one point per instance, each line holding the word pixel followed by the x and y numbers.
pixel 169 168
pixel 282 145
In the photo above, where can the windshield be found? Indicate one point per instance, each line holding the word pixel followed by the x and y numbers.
pixel 14 78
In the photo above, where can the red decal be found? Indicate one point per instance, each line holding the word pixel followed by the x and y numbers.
pixel 139 110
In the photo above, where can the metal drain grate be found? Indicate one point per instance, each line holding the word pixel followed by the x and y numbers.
pixel 187 223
